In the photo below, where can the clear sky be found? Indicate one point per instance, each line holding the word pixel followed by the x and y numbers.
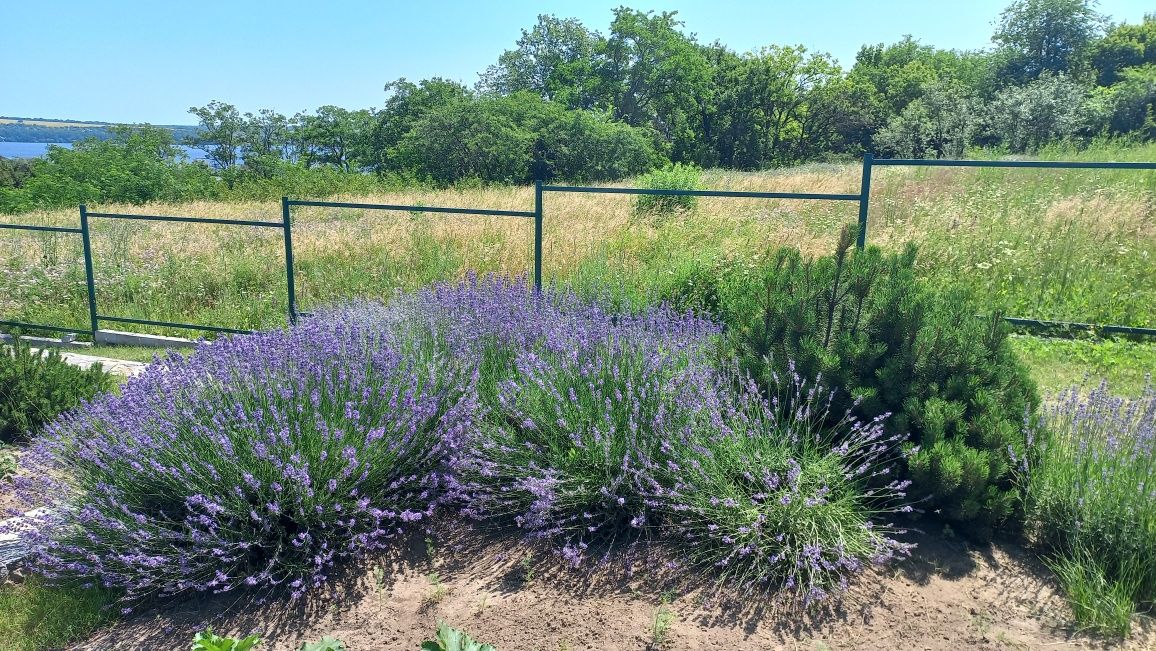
pixel 149 60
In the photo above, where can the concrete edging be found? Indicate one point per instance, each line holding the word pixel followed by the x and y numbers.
pixel 119 338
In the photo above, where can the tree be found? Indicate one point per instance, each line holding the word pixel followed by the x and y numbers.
pixel 466 140
pixel 1053 107
pixel 555 60
pixel 265 141
pixel 336 136
pixel 1124 46
pixel 1130 104
pixel 406 104
pixel 1036 37
pixel 653 75
pixel 137 165
pixel 939 124
pixel 221 133
pixel 265 134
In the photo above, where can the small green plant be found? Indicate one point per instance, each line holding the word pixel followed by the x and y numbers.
pixel 664 619
pixel 378 579
pixel 324 644
pixel 451 639
pixel 36 386
pixel 1099 603
pixel 672 177
pixel 439 589
pixel 7 461
pixel 527 569
pixel 207 640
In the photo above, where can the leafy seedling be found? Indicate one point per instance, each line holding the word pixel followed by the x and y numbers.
pixel 451 639
pixel 324 644
pixel 206 640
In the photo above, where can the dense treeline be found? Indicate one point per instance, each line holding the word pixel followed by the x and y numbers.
pixel 568 102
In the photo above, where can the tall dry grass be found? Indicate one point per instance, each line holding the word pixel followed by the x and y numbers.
pixel 1072 245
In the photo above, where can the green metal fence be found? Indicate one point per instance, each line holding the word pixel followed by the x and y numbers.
pixel 869 162
pixel 537 214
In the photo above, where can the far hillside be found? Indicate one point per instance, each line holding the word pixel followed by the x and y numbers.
pixel 16 129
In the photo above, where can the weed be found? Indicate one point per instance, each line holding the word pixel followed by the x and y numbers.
pixel 439 590
pixel 664 619
pixel 378 579
pixel 526 565
pixel 207 640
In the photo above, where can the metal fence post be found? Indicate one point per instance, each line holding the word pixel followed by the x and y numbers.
pixel 864 198
pixel 538 235
pixel 287 225
pixel 88 276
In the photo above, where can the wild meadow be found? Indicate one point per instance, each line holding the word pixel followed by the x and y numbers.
pixel 1069 245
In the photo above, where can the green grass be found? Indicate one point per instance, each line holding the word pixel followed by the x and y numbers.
pixel 35 616
pixel 129 353
pixel 1058 364
pixel 1099 603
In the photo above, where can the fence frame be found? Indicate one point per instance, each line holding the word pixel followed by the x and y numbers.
pixel 1030 323
pixel 863 197
pixel 83 232
pixel 286 216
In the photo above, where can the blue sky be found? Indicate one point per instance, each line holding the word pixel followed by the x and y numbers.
pixel 148 61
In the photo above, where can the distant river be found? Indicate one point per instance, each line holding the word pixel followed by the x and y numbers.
pixel 38 149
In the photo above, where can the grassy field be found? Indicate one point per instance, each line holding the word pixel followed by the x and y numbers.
pixel 1072 245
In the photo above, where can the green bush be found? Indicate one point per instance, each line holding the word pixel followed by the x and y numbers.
pixel 35 387
pixel 672 177
pixel 862 321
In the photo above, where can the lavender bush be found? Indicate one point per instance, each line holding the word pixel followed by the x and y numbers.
pixel 569 450
pixel 775 500
pixel 261 460
pixel 1090 498
pixel 256 462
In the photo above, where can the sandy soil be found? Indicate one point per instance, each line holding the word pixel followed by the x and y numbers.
pixel 949 596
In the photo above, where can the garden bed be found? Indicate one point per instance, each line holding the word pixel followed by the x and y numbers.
pixel 949 595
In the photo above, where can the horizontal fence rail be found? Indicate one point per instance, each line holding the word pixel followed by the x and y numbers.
pixel 863 197
pixel 1035 164
pixel 48 229
pixel 703 193
pixel 435 209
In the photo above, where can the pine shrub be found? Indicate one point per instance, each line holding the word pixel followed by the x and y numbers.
pixel 862 321
pixel 36 386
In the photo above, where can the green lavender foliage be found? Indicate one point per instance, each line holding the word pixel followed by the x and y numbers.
pixel 1090 501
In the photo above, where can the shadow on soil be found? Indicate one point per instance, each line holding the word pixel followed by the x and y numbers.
pixel 645 570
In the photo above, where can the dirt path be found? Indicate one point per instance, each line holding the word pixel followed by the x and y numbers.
pixel 948 596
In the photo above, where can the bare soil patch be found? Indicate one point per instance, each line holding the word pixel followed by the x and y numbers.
pixel 950 595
